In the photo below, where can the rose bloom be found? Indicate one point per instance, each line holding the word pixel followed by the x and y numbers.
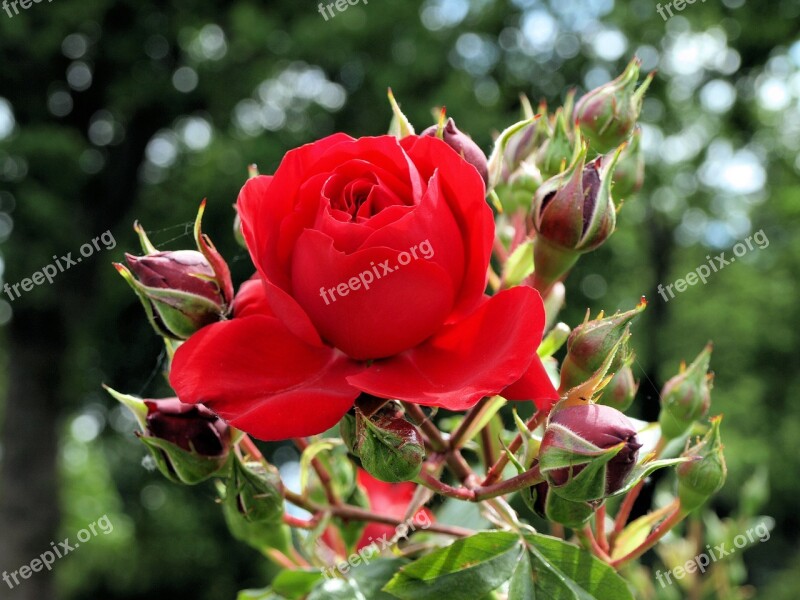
pixel 388 500
pixel 311 331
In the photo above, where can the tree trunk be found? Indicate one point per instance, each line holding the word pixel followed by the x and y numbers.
pixel 29 503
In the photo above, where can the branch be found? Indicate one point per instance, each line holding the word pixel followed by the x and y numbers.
pixel 321 471
pixel 497 469
pixel 675 517
pixel 353 513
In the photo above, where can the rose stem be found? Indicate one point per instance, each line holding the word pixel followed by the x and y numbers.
pixel 479 493
pixel 675 517
pixel 600 527
pixel 457 439
pixel 497 469
pixel 486 443
pixel 625 511
pixel 454 459
pixel 587 539
pixel 354 513
pixel 322 473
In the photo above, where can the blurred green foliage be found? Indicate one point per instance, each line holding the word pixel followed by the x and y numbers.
pixel 117 111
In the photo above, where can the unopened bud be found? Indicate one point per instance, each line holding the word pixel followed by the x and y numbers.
pixel 587 452
pixel 629 173
pixel 702 477
pixel 390 448
pixel 686 397
pixel 188 442
pixel 255 489
pixel 573 213
pixel 621 390
pixel 462 144
pixel 555 154
pixel 177 289
pixel 590 344
pixel 608 114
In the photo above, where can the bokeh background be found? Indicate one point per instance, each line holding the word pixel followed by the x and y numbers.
pixel 116 111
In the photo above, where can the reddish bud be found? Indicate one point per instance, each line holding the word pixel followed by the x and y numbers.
pixel 588 451
pixel 463 144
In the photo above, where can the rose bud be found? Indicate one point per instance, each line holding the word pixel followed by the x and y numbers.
pixel 523 142
pixel 588 451
pixel 620 391
pixel 590 344
pixel 554 155
pixel 555 508
pixel 608 114
pixel 188 442
pixel 686 397
pixel 390 448
pixel 178 290
pixel 254 488
pixel 573 213
pixel 699 479
pixel 463 144
pixel 629 172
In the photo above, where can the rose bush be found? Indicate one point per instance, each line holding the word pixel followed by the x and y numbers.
pixel 309 334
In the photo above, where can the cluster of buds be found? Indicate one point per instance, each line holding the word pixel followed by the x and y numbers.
pixel 390 448
pixel 686 398
pixel 563 167
pixel 181 291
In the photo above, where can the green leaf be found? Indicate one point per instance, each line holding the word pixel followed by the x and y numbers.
pixel 523 582
pixel 519 265
pixel 467 569
pixel 644 469
pixel 561 571
pixel 295 584
pixel 371 577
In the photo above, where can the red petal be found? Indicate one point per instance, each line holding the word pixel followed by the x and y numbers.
pixel 534 385
pixel 464 190
pixel 478 356
pixel 263 380
pixel 251 299
pixel 399 309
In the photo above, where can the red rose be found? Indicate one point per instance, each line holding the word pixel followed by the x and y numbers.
pixel 372 255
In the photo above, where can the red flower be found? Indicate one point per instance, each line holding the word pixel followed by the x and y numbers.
pixel 372 256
